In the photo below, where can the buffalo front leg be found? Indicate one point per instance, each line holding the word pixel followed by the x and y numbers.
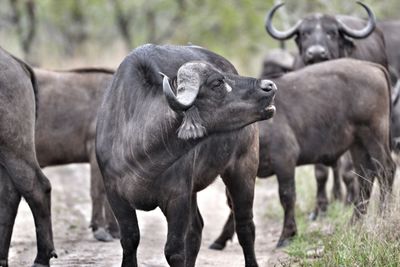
pixel 129 229
pixel 193 237
pixel 227 232
pixel 321 175
pixel 177 212
pixel 9 201
pixel 241 190
pixel 287 196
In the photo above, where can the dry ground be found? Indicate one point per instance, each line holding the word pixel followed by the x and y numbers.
pixel 76 246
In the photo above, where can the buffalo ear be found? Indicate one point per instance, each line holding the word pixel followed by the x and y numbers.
pixel 346 45
pixel 191 127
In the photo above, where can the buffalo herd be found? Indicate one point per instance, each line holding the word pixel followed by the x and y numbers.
pixel 171 119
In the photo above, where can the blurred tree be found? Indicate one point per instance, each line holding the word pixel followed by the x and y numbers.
pixel 152 16
pixel 124 22
pixel 82 29
pixel 24 19
pixel 76 31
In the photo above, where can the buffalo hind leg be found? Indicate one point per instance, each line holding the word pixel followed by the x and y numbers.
pixel 33 185
pixel 364 169
pixel 385 169
pixel 321 175
pixel 227 232
pixel 376 144
pixel 193 238
pixel 9 201
pixel 287 195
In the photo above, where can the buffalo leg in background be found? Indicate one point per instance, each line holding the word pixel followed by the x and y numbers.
pixel 103 222
pixel 228 231
pixel 321 175
pixel 372 159
pixel 9 201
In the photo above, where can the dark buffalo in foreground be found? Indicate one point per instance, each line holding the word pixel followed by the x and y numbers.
pixel 19 170
pixel 333 110
pixel 160 141
pixel 66 129
pixel 321 37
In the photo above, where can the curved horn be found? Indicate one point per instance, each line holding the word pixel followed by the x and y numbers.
pixel 173 101
pixel 363 33
pixel 274 32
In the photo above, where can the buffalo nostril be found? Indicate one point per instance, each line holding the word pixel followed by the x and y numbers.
pixel 267 85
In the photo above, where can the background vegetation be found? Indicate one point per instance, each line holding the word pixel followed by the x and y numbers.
pixel 68 33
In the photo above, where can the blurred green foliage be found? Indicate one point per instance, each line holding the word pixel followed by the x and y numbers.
pixel 91 29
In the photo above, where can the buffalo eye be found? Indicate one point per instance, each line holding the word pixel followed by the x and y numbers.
pixel 217 83
pixel 331 34
pixel 305 34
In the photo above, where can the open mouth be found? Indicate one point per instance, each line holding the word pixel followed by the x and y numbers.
pixel 270 110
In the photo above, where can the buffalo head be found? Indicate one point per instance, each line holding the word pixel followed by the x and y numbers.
pixel 321 37
pixel 213 101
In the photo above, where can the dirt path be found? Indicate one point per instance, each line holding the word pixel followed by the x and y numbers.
pixel 76 246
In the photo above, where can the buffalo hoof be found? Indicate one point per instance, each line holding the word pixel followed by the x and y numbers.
pixel 313 216
pixel 283 242
pixel 102 235
pixel 216 246
pixel 3 263
pixel 53 254
pixel 114 232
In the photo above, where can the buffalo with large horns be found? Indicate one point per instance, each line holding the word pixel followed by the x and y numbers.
pixel 321 37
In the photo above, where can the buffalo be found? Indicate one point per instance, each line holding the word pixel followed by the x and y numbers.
pixel 20 173
pixel 66 128
pixel 276 63
pixel 318 118
pixel 391 33
pixel 321 37
pixel 160 140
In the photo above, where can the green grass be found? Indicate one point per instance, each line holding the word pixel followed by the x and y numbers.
pixel 373 242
